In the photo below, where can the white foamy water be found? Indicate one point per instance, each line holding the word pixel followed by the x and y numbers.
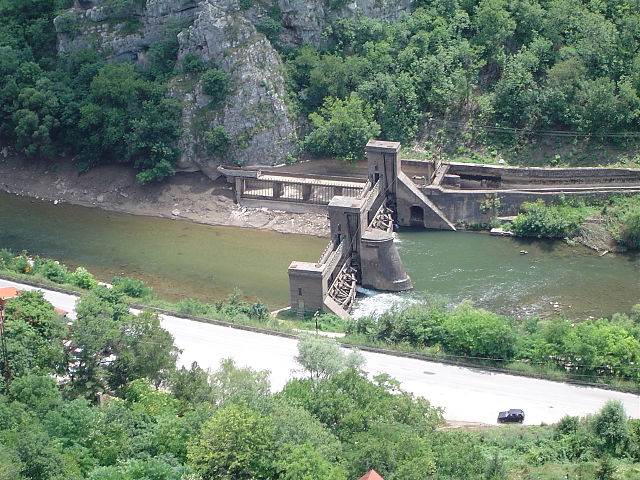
pixel 372 302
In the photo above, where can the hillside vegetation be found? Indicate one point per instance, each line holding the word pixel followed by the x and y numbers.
pixel 551 82
pixel 494 72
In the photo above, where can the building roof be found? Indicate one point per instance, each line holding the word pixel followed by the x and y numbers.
pixel 371 475
pixel 8 292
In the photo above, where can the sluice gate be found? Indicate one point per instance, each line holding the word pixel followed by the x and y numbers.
pixel 362 231
pixel 418 193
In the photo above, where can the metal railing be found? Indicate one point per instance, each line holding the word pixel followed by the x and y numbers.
pixel 311 191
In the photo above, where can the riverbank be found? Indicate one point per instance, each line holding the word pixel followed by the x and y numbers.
pixel 186 196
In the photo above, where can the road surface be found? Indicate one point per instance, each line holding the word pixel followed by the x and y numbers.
pixel 467 394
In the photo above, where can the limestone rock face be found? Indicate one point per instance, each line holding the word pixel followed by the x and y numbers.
pixel 255 114
pixel 307 21
pixel 122 32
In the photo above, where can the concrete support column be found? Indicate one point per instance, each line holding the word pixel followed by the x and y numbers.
pixel 277 189
pixel 383 162
pixel 306 191
pixel 307 287
pixel 239 189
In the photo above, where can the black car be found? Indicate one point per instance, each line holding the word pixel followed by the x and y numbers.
pixel 514 415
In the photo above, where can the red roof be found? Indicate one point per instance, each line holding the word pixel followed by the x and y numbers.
pixel 8 292
pixel 371 475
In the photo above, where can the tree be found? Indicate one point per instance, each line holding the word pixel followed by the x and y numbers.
pixel 191 386
pixel 101 315
pixel 631 230
pixel 215 83
pixel 233 384
pixel 610 426
pixel 342 128
pixel 479 333
pixel 303 462
pixel 295 426
pixel 217 141
pixel 396 451
pixel 234 445
pixel 34 334
pixel 348 403
pixel 39 393
pixel 144 350
pixel 322 357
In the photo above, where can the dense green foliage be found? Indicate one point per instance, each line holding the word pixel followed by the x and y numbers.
pixel 593 348
pixel 541 221
pixel 227 425
pixel 524 64
pixel 618 214
pixel 78 104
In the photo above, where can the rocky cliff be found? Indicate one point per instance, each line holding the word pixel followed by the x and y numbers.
pixel 255 114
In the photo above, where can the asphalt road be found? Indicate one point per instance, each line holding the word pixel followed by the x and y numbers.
pixel 467 394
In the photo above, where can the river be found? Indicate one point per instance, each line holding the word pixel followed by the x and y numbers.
pixel 183 259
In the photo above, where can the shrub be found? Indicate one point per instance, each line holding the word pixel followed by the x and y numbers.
pixel 192 307
pixel 630 233
pixel 270 27
pixel 21 264
pixel 131 287
pixel 191 63
pixel 215 83
pixel 6 259
pixel 162 57
pixel 541 221
pixel 217 141
pixel 51 269
pixel 83 279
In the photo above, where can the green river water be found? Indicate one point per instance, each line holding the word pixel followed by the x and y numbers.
pixel 184 259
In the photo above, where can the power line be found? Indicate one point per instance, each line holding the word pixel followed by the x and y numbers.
pixel 551 133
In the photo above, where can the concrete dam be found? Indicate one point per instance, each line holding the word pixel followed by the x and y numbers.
pixel 405 192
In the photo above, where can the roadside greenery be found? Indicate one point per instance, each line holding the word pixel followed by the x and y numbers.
pixel 598 350
pixel 104 400
pixel 592 350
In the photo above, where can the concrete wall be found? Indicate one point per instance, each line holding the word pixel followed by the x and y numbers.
pixel 465 206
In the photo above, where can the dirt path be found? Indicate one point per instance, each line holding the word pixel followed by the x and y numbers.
pixel 187 196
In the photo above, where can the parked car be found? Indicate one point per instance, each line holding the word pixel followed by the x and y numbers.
pixel 514 415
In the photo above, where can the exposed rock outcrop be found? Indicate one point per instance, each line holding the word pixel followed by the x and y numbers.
pixel 255 114
pixel 222 31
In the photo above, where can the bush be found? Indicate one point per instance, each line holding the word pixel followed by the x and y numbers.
pixel 83 279
pixel 21 264
pixel 270 27
pixel 630 233
pixel 131 287
pixel 51 269
pixel 6 259
pixel 162 57
pixel 190 306
pixel 217 141
pixel 215 83
pixel 541 221
pixel 192 64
